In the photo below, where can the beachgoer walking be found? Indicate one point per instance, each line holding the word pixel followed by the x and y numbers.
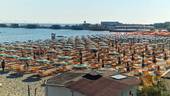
pixel 3 65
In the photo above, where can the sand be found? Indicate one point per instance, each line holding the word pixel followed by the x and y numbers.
pixel 16 87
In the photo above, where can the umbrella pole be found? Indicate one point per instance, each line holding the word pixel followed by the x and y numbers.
pixel 29 90
pixel 98 57
pixel 81 57
pixel 35 92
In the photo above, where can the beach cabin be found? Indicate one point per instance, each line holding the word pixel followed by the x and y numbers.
pixel 78 84
pixel 56 86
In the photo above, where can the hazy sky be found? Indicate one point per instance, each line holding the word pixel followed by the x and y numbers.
pixel 76 11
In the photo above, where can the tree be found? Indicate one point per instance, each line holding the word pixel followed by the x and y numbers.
pixel 55 27
pixel 165 25
pixel 14 25
pixel 77 27
pixel 158 89
pixel 168 28
pixel 3 25
pixel 31 26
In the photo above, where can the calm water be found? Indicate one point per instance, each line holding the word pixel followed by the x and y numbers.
pixel 20 34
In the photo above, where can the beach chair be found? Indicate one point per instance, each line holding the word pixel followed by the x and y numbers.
pixel 48 72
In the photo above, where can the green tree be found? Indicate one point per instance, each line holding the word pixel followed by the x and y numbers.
pixel 168 28
pixel 158 89
pixel 165 25
pixel 55 27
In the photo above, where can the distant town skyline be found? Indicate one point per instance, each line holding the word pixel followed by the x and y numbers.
pixel 77 11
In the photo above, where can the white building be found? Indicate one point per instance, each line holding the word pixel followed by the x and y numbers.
pixel 78 84
pixel 120 27
pixel 56 86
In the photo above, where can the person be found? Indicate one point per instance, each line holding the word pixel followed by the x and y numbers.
pixel 158 68
pixel 3 65
pixel 34 56
pixel 103 64
pixel 27 65
pixel 119 60
pixel 127 67
pixel 132 57
pixel 48 57
pixel 165 56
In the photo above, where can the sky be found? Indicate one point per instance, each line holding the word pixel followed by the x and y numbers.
pixel 77 11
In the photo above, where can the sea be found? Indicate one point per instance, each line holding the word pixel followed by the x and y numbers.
pixel 22 34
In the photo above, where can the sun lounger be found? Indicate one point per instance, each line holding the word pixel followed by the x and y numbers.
pixel 44 73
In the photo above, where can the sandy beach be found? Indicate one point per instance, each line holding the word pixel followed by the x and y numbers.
pixel 143 56
pixel 16 86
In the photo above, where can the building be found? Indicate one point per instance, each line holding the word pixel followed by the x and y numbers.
pixel 132 28
pixel 57 85
pixel 107 25
pixel 79 84
pixel 120 27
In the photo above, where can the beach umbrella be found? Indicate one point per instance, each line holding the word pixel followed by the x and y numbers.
pixel 93 49
pixel 80 47
pixel 10 50
pixel 80 66
pixel 25 58
pixel 42 61
pixel 2 49
pixel 65 57
pixel 65 63
pixel 19 48
pixel 114 53
pixel 69 45
pixel 3 55
pixel 28 48
pixel 104 47
pixel 12 56
pixel 62 63
pixel 67 49
pixel 51 51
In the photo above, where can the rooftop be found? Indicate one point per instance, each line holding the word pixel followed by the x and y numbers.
pixel 99 85
pixel 62 79
pixel 102 86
